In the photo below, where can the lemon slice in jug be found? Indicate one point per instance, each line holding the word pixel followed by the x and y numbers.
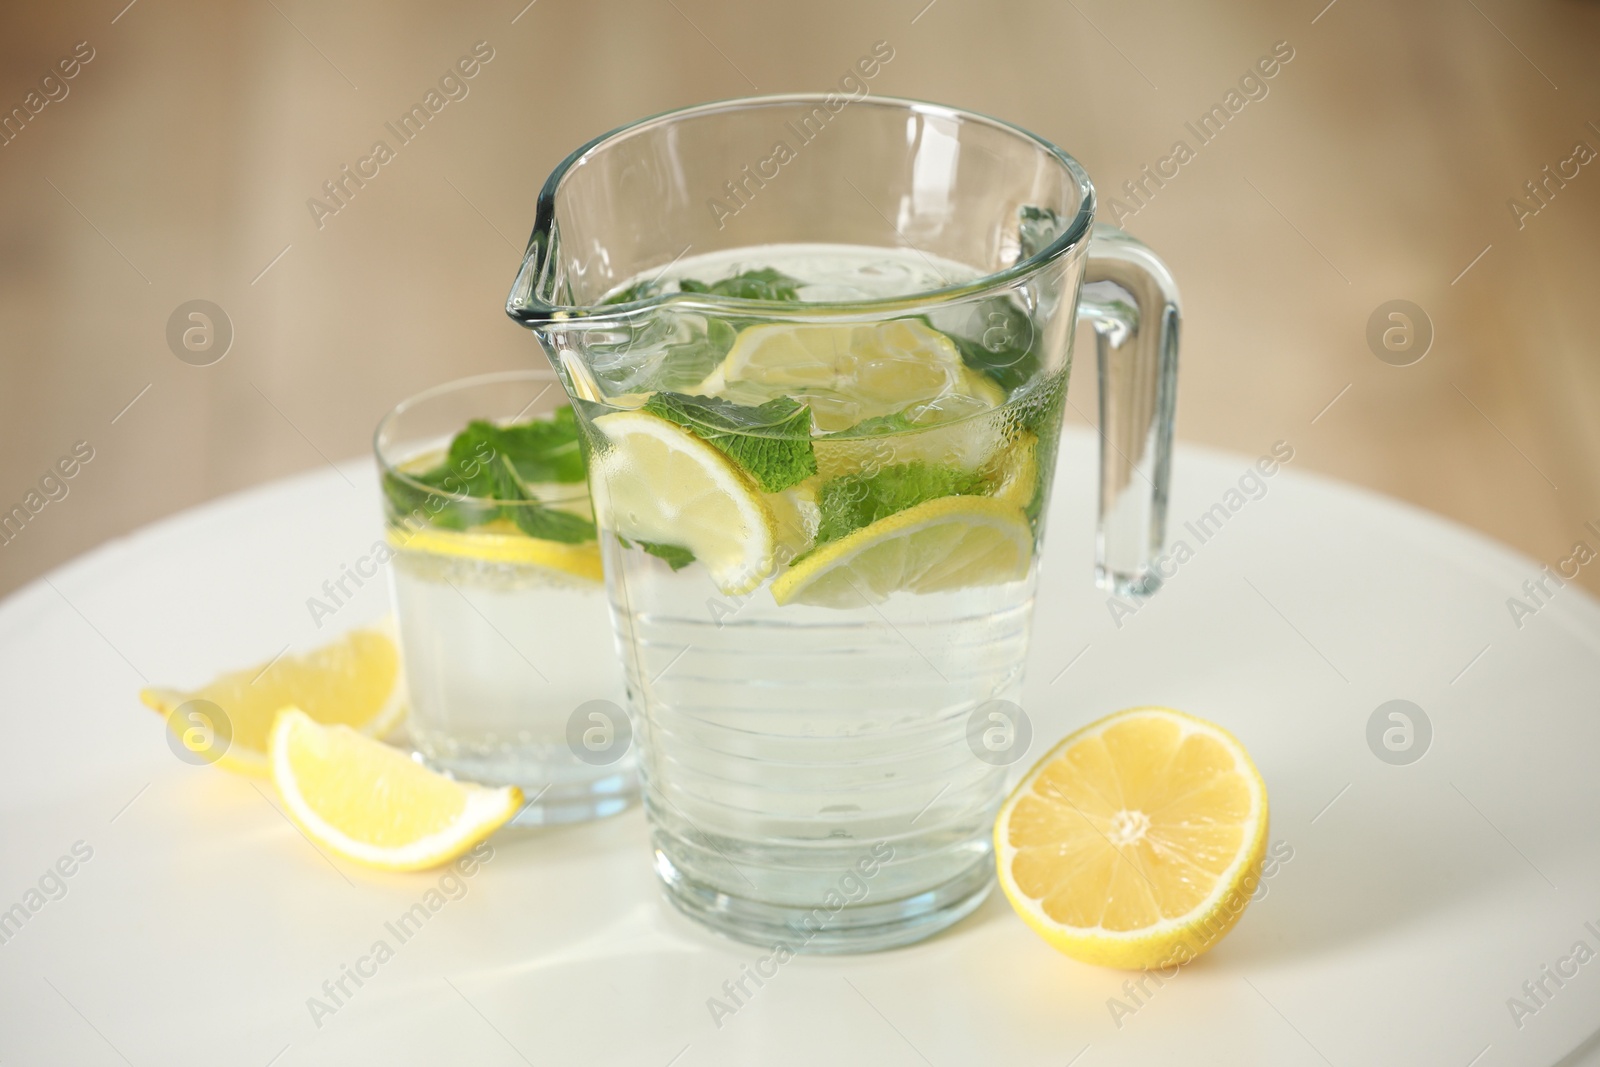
pixel 658 483
pixel 849 373
pixel 953 542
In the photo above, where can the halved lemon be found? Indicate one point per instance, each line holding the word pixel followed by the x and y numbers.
pixel 368 802
pixel 354 680
pixel 847 373
pixel 502 541
pixel 953 542
pixel 1137 841
pixel 658 482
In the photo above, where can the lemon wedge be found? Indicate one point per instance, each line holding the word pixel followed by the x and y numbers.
pixel 369 803
pixel 502 541
pixel 953 542
pixel 659 483
pixel 354 681
pixel 848 373
pixel 1137 841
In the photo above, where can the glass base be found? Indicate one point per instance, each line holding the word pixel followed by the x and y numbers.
pixel 553 795
pixel 555 812
pixel 865 927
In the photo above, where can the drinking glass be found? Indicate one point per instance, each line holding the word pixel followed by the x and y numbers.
pixel 510 667
pixel 825 681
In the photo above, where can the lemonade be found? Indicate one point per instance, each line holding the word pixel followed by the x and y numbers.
pixel 498 656
pixel 821 538
pixel 498 591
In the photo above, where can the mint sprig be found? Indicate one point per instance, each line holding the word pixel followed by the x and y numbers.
pixel 541 450
pixel 495 466
pixel 771 441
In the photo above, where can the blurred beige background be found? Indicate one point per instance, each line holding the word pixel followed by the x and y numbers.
pixel 1379 166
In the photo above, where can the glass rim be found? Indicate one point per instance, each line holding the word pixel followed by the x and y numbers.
pixel 391 467
pixel 529 310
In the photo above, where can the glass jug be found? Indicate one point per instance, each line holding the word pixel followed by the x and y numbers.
pixel 819 346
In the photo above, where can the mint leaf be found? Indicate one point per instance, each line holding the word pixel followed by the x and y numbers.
pixel 640 290
pixel 687 362
pixel 896 422
pixel 772 441
pixel 468 465
pixel 493 466
pixel 420 505
pixel 550 524
pixel 541 450
pixel 1036 228
pixel 854 501
pixel 676 558
pixel 434 496
pixel 1003 348
pixel 764 284
pixel 532 517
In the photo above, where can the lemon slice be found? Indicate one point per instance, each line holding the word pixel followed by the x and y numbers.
pixel 1137 841
pixel 370 803
pixel 849 373
pixel 1018 470
pixel 584 386
pixel 502 542
pixel 969 444
pixel 953 542
pixel 354 680
pixel 795 517
pixel 658 482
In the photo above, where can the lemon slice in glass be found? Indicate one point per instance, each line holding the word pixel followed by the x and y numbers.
pixel 1137 841
pixel 354 680
pixel 657 482
pixel 848 373
pixel 370 803
pixel 953 542
pixel 502 541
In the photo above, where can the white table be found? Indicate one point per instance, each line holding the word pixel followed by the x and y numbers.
pixel 1418 899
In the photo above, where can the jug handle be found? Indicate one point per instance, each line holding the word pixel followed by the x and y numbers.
pixel 1130 298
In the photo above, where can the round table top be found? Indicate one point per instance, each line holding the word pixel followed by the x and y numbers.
pixel 1423 910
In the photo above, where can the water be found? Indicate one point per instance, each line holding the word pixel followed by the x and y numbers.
pixel 498 658
pixel 829 273
pixel 784 743
pixel 808 770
